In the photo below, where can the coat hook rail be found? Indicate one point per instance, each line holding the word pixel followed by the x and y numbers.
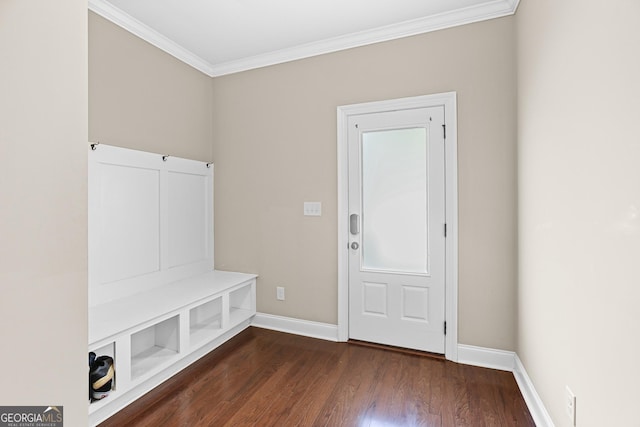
pixel 94 146
pixel 165 157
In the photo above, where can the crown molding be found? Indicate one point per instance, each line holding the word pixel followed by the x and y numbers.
pixel 482 12
pixel 148 34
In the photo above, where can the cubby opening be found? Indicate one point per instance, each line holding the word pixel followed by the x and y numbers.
pixel 107 350
pixel 241 305
pixel 205 321
pixel 154 346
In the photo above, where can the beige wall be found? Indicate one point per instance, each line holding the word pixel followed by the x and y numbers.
pixel 143 98
pixel 274 142
pixel 275 147
pixel 579 157
pixel 43 213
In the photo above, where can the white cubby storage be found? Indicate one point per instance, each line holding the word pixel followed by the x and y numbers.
pixel 155 303
pixel 155 334
pixel 241 301
pixel 205 321
pixel 107 349
pixel 154 346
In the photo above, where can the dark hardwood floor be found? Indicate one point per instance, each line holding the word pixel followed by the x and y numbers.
pixel 267 378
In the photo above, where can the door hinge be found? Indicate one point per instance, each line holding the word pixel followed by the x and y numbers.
pixel 445 229
pixel 444 131
pixel 445 328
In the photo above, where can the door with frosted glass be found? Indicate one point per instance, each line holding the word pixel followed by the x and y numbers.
pixel 397 228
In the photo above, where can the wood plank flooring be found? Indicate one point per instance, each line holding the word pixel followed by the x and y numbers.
pixel 268 378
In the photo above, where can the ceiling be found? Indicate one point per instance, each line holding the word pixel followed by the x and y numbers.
pixel 226 36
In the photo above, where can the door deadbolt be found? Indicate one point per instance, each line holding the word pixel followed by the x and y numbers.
pixel 355 245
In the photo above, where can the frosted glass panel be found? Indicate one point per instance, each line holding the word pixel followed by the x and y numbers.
pixel 394 200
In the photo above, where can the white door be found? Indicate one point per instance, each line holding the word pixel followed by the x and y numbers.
pixel 397 228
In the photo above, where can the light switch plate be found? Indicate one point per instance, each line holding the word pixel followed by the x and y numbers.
pixel 313 208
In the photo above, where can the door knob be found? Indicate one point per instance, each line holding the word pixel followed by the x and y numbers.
pixel 355 245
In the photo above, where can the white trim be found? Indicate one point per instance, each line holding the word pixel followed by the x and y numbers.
pixel 454 18
pixel 451 207
pixel 343 225
pixel 486 357
pixel 537 409
pixel 448 100
pixel 482 12
pixel 508 361
pixel 148 34
pixel 307 328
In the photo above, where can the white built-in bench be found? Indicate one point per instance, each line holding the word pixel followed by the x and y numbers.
pixel 155 303
pixel 154 334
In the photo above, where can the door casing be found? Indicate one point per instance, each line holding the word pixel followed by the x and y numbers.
pixel 448 101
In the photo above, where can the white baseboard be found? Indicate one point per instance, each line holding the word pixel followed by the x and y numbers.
pixel 307 328
pixel 486 357
pixel 539 413
pixel 508 361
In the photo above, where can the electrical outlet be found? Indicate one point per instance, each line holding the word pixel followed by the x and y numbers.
pixel 570 405
pixel 280 293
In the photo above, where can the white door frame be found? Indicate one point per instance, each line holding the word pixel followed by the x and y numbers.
pixel 448 101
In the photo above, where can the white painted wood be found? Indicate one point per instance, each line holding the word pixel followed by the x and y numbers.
pixel 130 240
pixel 122 363
pixel 184 330
pixel 100 411
pixel 123 242
pixel 448 102
pixel 205 322
pixel 154 347
pixel 242 303
pixel 536 407
pixel 150 221
pixel 107 349
pixel 109 319
pixel 343 114
pixel 307 328
pixel 486 357
pixel 189 216
pixel 142 340
pixel 166 334
pixel 378 289
pixel 214 55
pixel 156 331
pixel 150 361
pixel 453 18
pixel 148 34
pixel 156 304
